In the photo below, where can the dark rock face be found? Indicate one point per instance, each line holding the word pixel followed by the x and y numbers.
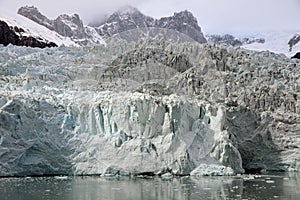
pixel 232 41
pixel 183 22
pixel 13 35
pixel 297 55
pixel 130 18
pixel 293 41
pixel 69 26
pixel 7 35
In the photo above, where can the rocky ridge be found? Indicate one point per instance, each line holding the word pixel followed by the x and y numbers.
pixel 129 18
pixel 125 19
pixel 147 108
pixel 66 25
pixel 232 41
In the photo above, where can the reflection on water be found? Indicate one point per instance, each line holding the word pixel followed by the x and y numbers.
pixel 277 186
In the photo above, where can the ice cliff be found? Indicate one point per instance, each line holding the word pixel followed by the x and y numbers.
pixel 151 107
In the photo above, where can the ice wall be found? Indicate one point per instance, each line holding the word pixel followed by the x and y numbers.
pixel 124 109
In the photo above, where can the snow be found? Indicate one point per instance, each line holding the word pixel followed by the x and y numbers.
pixel 276 41
pixel 33 29
pixel 95 37
pixel 72 25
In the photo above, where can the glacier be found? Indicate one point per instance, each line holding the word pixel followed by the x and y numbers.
pixel 149 107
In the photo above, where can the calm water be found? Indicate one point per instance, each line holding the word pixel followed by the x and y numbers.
pixel 278 186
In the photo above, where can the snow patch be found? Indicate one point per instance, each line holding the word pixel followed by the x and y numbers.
pixel 275 41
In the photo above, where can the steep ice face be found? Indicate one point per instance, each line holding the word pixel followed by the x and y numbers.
pixel 147 108
pixel 127 132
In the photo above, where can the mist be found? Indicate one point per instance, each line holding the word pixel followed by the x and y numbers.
pixel 214 16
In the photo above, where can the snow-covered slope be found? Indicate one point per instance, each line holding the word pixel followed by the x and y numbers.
pixel 70 26
pixel 275 41
pixel 34 30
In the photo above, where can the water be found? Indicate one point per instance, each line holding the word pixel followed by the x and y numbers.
pixel 277 186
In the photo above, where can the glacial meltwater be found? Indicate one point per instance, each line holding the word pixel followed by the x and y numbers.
pixel 275 186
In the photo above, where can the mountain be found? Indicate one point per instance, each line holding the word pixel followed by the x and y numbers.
pixel 129 18
pixel 18 30
pixel 183 22
pixel 72 27
pixel 66 25
pixel 124 19
pixel 232 41
pixel 130 24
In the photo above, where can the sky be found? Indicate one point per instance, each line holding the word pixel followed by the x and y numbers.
pixel 214 16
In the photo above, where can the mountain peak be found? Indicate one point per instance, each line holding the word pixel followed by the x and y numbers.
pixel 29 8
pixel 127 9
pixel 184 13
pixel 124 19
pixel 70 26
pixel 184 22
pixel 129 18
pixel 32 13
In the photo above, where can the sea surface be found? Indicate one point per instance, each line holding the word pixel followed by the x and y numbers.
pixel 275 186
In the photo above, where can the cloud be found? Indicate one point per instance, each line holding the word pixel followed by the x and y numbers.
pixel 88 9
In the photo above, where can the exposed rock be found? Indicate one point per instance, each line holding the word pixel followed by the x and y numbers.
pixel 183 22
pixel 66 25
pixel 34 14
pixel 13 35
pixel 129 18
pixel 125 19
pixel 293 41
pixel 7 35
pixel 297 55
pixel 123 109
pixel 70 26
pixel 231 40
